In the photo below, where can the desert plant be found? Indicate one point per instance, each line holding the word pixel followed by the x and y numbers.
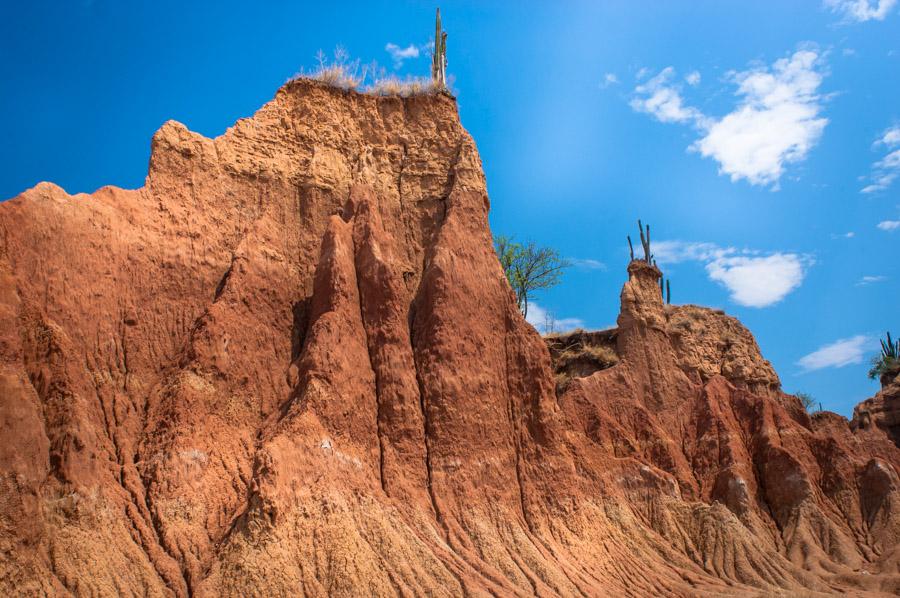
pixel 807 401
pixel 439 56
pixel 529 268
pixel 392 85
pixel 886 365
pixel 645 243
pixel 603 355
pixel 339 71
pixel 665 289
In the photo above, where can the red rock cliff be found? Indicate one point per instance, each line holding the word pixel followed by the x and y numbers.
pixel 290 365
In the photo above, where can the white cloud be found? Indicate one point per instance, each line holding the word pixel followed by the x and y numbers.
pixel 673 252
pixel 835 355
pixel 545 321
pixel 890 137
pixel 861 10
pixel 866 280
pixel 886 170
pixel 609 79
pixel 660 98
pixel 752 279
pixel 889 225
pixel 758 281
pixel 775 123
pixel 847 235
pixel 692 78
pixel 399 54
pixel 588 264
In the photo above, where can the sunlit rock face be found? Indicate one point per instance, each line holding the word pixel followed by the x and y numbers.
pixel 290 364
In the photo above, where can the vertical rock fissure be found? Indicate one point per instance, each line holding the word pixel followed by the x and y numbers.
pixel 379 414
pixel 156 526
pixel 426 430
pixel 514 424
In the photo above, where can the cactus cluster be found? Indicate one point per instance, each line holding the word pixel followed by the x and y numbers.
pixel 645 243
pixel 439 56
pixel 665 287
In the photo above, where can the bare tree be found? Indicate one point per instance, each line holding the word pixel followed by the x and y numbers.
pixel 529 268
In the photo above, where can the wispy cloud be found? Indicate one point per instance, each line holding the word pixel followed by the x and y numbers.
pixel 847 235
pixel 692 78
pixel 673 252
pixel 399 54
pixel 588 264
pixel 867 280
pixel 835 355
pixel 751 278
pixel 544 321
pixel 776 121
pixel 889 225
pixel 609 79
pixel 890 137
pixel 886 170
pixel 861 10
pixel 661 98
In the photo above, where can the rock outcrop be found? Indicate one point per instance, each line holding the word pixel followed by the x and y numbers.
pixel 290 364
pixel 879 415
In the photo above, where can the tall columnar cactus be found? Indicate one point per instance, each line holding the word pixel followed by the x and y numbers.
pixel 665 289
pixel 439 56
pixel 645 242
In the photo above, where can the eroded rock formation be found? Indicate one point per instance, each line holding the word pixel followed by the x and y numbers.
pixel 291 365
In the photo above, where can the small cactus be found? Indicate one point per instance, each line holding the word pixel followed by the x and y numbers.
pixel 630 247
pixel 665 289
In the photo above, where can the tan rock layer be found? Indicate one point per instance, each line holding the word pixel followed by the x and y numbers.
pixel 290 365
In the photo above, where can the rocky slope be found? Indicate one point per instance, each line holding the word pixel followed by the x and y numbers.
pixel 290 365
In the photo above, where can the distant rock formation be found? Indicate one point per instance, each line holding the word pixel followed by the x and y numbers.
pixel 290 364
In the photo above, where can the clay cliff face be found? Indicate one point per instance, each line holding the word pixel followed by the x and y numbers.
pixel 291 365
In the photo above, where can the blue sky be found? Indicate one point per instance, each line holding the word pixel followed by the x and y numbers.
pixel 758 139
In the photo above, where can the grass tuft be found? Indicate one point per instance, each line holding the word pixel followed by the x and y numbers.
pixel 343 73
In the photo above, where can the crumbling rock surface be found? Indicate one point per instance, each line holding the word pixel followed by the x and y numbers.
pixel 290 364
pixel 880 414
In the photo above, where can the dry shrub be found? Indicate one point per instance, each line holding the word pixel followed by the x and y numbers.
pixel 340 71
pixel 601 355
pixel 562 381
pixel 392 85
pixel 344 73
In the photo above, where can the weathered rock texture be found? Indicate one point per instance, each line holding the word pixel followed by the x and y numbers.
pixel 290 365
